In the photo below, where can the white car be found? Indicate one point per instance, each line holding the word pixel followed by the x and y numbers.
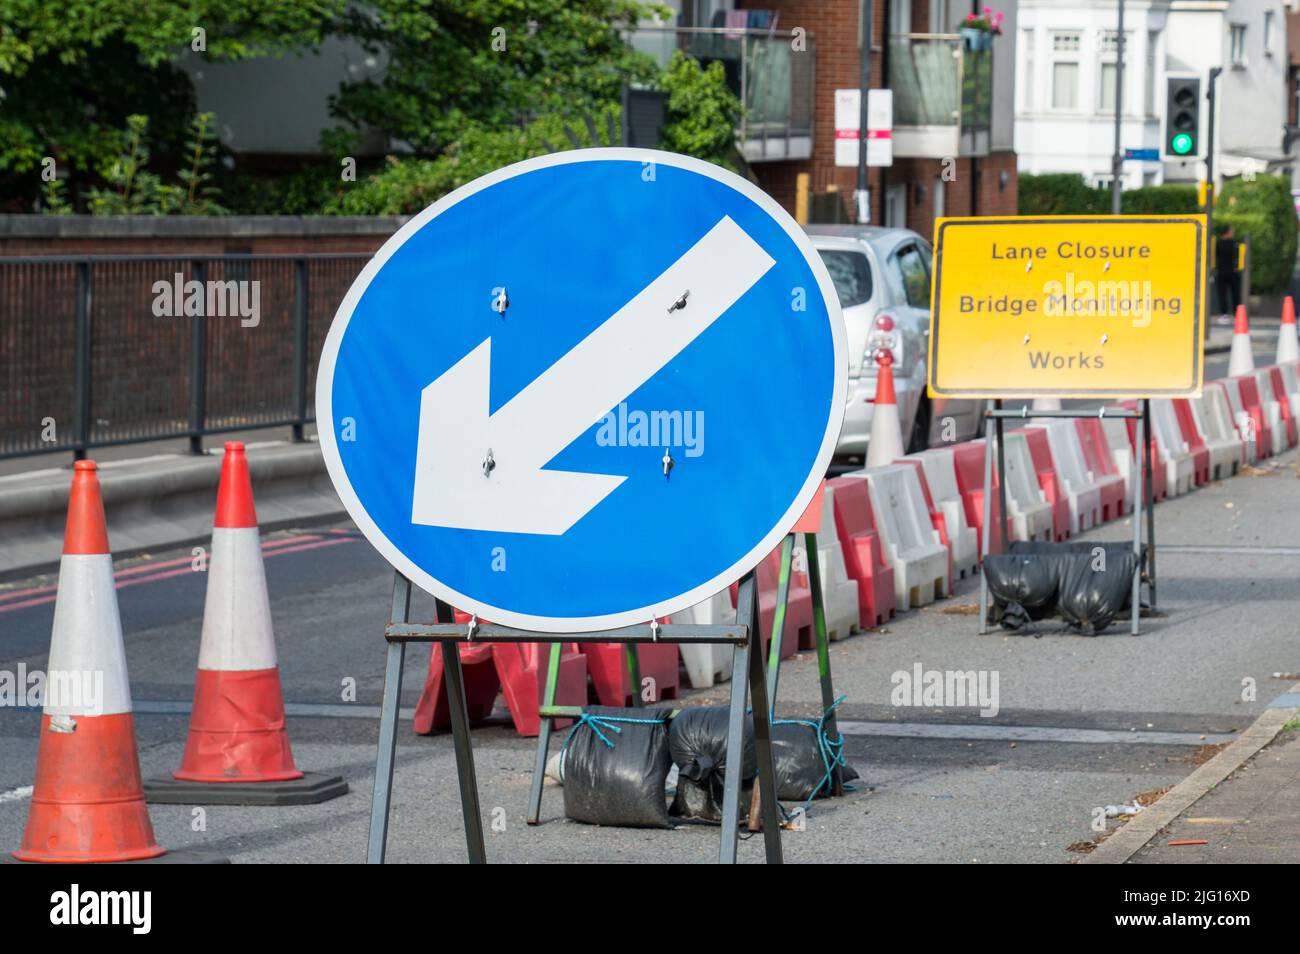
pixel 883 280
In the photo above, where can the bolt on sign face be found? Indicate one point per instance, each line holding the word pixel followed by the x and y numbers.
pixel 1066 306
pixel 586 390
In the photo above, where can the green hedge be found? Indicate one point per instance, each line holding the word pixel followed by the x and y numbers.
pixel 1066 193
pixel 1060 193
pixel 1263 212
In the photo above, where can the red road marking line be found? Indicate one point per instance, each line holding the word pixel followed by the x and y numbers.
pixel 137 575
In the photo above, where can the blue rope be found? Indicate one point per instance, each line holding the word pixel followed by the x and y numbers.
pixel 831 750
pixel 598 722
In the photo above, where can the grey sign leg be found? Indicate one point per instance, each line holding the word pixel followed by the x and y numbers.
pixel 1140 450
pixel 1151 512
pixel 473 817
pixel 544 736
pixel 988 521
pixel 763 728
pixel 387 750
pixel 736 721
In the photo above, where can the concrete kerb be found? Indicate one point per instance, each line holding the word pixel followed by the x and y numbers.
pixel 160 501
pixel 1127 841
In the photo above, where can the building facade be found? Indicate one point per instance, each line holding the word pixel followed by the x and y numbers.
pixel 953 132
pixel 1065 97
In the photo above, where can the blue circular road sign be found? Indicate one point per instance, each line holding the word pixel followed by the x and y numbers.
pixel 586 390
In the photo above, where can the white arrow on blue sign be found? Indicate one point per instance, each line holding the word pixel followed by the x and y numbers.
pixel 586 390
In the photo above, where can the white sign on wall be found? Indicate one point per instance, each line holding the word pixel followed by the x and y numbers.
pixel 880 127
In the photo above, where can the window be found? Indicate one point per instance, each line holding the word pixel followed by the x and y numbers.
pixel 1268 32
pixel 1106 91
pixel 896 207
pixel 1065 42
pixel 1065 70
pixel 1106 68
pixel 916 279
pixel 1237 35
pixel 1065 85
pixel 850 273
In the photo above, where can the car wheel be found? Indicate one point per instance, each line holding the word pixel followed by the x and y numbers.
pixel 919 439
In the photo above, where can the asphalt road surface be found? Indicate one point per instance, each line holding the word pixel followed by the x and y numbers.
pixel 1082 722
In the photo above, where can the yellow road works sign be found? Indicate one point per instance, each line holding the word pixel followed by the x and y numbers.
pixel 1068 306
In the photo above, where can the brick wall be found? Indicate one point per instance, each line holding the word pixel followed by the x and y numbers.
pixel 834 27
pixel 192 235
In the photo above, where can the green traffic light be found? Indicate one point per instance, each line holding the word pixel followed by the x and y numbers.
pixel 1181 144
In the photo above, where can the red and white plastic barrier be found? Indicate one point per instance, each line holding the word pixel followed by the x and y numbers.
pixel 1214 421
pixel 1180 466
pixel 707 663
pixel 911 543
pixel 864 554
pixel 1082 492
pixel 1045 470
pixel 1030 516
pixel 839 592
pixel 941 480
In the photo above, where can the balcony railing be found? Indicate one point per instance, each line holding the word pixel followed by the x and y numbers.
pixel 943 95
pixel 771 78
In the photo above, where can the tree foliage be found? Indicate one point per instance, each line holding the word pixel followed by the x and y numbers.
pixel 457 64
pixel 72 72
pixel 1262 212
pixel 703 112
pixel 467 86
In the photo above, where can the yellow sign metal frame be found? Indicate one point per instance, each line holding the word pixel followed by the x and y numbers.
pixel 1030 306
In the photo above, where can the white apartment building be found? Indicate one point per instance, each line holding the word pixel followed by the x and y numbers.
pixel 1065 96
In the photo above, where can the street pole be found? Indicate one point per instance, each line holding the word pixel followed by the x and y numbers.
pixel 862 197
pixel 1117 160
pixel 1211 99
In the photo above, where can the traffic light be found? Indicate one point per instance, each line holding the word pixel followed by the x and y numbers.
pixel 1180 138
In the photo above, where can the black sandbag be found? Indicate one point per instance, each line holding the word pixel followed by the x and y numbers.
pixel 697 741
pixel 702 801
pixel 1112 549
pixel 1091 597
pixel 1023 586
pixel 621 783
pixel 799 766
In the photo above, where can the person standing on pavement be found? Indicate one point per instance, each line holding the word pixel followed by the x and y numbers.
pixel 1226 278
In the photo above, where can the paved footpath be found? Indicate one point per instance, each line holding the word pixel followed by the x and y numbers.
pixel 1252 817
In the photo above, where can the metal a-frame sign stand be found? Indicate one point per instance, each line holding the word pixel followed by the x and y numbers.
pixel 549 711
pixel 819 631
pixel 747 674
pixel 1143 496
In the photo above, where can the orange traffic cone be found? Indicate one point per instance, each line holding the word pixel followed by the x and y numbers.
pixel 1288 346
pixel 886 444
pixel 238 749
pixel 1241 360
pixel 87 801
